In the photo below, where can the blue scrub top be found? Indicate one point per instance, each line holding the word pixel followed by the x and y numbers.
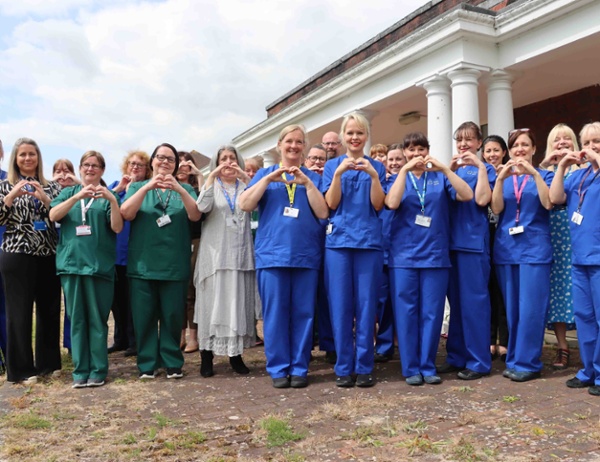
pixel 285 241
pixel 123 236
pixel 415 246
pixel 468 221
pixel 533 246
pixel 585 238
pixel 355 222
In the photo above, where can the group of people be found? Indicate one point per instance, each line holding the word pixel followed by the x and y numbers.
pixel 370 245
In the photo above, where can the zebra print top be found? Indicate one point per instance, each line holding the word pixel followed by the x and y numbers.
pixel 22 235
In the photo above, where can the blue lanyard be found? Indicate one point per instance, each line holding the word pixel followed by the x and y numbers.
pixel 420 194
pixel 229 201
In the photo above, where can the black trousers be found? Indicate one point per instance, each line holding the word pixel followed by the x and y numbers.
pixel 121 310
pixel 29 279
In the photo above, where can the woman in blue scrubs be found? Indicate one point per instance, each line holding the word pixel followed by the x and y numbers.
pixel 470 312
pixel 419 261
pixel 580 192
pixel 352 184
pixel 287 259
pixel 523 254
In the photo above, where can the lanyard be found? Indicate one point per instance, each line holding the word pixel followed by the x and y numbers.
pixel 584 192
pixel 291 190
pixel 229 200
pixel 519 194
pixel 85 208
pixel 164 204
pixel 419 194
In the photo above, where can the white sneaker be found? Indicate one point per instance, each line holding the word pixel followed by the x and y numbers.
pixel 30 380
pixel 147 375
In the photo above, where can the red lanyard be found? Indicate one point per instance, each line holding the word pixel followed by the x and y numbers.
pixel 584 192
pixel 519 194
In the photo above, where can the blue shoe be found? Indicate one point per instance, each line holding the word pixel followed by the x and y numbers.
pixel 415 380
pixel 432 379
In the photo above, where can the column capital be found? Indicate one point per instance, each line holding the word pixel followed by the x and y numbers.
pixel 437 84
pixel 464 76
pixel 500 79
pixel 369 114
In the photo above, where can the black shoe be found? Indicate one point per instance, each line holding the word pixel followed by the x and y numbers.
pixel 468 374
pixel 365 380
pixel 331 357
pixel 95 382
pixel 298 381
pixel 344 381
pixel 525 376
pixel 576 383
pixel 174 373
pixel 281 382
pixel 206 363
pixel 238 365
pixel 115 348
pixel 594 390
pixel 446 368
pixel 508 373
pixel 379 358
pixel 131 351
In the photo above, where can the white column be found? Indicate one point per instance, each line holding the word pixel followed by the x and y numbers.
pixel 465 98
pixel 439 113
pixel 501 117
pixel 369 115
pixel 270 158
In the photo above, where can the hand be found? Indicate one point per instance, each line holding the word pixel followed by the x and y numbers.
pixel 88 191
pixel 276 176
pixel 347 164
pixel 456 162
pixel 433 165
pixel 315 168
pixel 524 167
pixel 193 169
pixel 123 184
pixel 468 158
pixel 588 155
pixel 554 157
pixel 363 164
pixel 298 176
pixel 506 170
pixel 416 163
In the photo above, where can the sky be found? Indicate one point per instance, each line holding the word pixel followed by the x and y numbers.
pixel 118 75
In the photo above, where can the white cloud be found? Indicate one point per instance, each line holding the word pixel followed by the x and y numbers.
pixel 119 75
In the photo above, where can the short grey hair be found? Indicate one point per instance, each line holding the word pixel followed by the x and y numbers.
pixel 226 147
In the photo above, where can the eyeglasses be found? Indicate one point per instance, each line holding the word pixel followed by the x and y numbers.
pixel 92 166
pixel 331 143
pixel 161 158
pixel 316 159
pixel 136 164
pixel 524 130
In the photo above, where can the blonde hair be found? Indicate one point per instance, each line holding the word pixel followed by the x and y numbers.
pixel 557 130
pixel 360 119
pixel 587 128
pixel 289 129
pixel 13 169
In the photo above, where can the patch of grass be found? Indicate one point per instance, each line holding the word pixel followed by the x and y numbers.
pixel 119 381
pixel 289 456
pixel 30 421
pixel 152 433
pixel 510 399
pixel 464 451
pixel 418 426
pixel 163 421
pixel 63 416
pixel 279 432
pixel 190 439
pixel 465 389
pixel 129 439
pixel 421 444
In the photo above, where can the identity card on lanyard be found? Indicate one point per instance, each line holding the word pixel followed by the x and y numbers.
pixel 291 190
pixel 421 219
pixel 165 219
pixel 577 217
pixel 83 229
pixel 518 229
pixel 232 220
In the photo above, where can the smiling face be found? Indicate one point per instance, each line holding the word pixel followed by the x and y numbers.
pixel 27 160
pixel 291 148
pixel 136 168
pixel 91 171
pixel 415 151
pixel 561 141
pixel 355 137
pixel 590 139
pixel 395 161
pixel 522 148
pixel 61 173
pixel 492 153
pixel 164 161
pixel 228 157
pixel 332 143
pixel 467 141
pixel 183 173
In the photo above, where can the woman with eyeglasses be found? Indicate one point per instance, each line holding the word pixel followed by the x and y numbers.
pixel 226 291
pixel 135 167
pixel 27 263
pixel 85 259
pixel 523 254
pixel 158 265
pixel 580 191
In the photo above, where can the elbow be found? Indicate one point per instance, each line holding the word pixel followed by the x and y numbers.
pixel 465 197
pixel 126 214
pixel 117 228
pixel 323 214
pixel 195 215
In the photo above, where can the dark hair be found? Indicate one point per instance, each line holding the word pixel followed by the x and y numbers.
pixel 319 146
pixel 514 134
pixel 415 139
pixel 496 139
pixel 468 127
pixel 166 145
pixel 193 179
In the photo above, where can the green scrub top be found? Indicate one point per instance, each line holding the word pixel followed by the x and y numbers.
pixel 89 255
pixel 160 253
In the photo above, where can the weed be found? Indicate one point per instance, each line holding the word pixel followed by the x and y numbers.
pixel 289 456
pixel 152 433
pixel 465 389
pixel 421 444
pixel 279 432
pixel 419 426
pixel 119 381
pixel 464 451
pixel 30 421
pixel 510 399
pixel 129 439
pixel 162 420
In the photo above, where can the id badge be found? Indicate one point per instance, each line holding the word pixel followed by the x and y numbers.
pixel 40 225
pixel 83 230
pixel 163 221
pixel 329 228
pixel 291 212
pixel 577 218
pixel 231 221
pixel 516 230
pixel 424 221
pixel 253 225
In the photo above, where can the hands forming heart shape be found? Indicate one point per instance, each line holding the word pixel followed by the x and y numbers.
pixel 164 181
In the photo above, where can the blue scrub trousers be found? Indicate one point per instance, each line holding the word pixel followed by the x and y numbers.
pixel 66 327
pixel 384 340
pixel 352 277
pixel 418 299
pixel 325 332
pixel 287 296
pixel 468 343
pixel 586 303
pixel 526 292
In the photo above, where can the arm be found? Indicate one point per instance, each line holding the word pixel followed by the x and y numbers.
pixel 333 196
pixel 396 192
pixel 122 185
pixel 131 206
pixel 59 211
pixel 315 198
pixel 504 171
pixel 188 201
pixel 377 195
pixel 116 220
pixel 542 187
pixel 483 192
pixel 464 192
pixel 250 198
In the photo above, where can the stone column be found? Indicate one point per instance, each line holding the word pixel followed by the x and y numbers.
pixel 465 98
pixel 501 117
pixel 439 117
